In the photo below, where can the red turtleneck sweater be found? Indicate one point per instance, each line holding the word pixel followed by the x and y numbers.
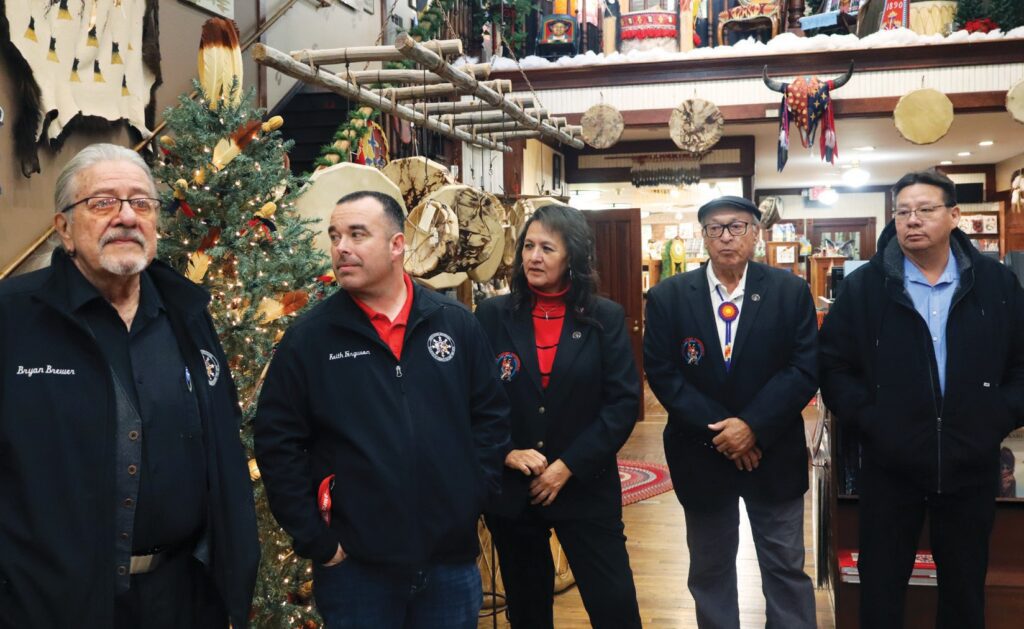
pixel 548 316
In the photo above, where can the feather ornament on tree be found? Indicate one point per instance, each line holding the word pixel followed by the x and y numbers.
pixel 230 148
pixel 220 62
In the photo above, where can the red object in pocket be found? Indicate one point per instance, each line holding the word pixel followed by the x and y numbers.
pixel 323 498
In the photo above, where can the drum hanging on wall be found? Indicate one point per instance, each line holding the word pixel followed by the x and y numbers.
pixel 696 126
pixel 1015 102
pixel 923 116
pixel 602 126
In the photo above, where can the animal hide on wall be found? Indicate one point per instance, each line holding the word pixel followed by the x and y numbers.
pixel 78 64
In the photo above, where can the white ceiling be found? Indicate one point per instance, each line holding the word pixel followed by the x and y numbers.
pixel 893 156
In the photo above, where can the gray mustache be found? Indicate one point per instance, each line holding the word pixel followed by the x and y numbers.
pixel 122 234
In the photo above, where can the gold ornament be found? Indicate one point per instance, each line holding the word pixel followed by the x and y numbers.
pixel 272 124
pixel 254 470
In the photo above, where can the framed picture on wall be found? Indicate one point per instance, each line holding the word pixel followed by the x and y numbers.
pixel 368 6
pixel 556 172
pixel 223 8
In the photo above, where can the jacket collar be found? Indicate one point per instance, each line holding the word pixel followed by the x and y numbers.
pixel 752 297
pixel 519 325
pixel 888 259
pixel 58 290
pixel 345 313
pixel 702 312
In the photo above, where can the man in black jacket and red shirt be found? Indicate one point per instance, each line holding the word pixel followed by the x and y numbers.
pixel 923 353
pixel 381 430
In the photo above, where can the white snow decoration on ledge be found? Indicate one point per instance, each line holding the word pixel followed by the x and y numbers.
pixel 786 43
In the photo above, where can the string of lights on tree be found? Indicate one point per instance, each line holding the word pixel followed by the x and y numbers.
pixel 232 229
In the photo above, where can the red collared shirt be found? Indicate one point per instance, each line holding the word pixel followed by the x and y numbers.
pixel 391 332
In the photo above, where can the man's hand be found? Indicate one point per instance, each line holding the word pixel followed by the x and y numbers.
pixel 529 462
pixel 749 461
pixel 544 489
pixel 735 437
pixel 339 556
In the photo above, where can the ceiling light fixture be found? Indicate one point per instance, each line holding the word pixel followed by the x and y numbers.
pixel 856 176
pixel 865 149
pixel 945 162
pixel 986 143
pixel 964 154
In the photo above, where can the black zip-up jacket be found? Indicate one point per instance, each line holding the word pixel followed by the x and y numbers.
pixel 57 448
pixel 878 369
pixel 416 445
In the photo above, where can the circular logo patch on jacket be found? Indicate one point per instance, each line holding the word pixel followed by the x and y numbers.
pixel 441 346
pixel 212 367
pixel 508 366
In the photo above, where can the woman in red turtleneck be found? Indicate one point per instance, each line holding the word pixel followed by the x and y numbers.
pixel 565 360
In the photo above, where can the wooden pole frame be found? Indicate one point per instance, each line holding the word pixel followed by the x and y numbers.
pixel 273 58
pixel 436 64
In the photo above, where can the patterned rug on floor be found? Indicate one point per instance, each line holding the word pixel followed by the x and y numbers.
pixel 642 480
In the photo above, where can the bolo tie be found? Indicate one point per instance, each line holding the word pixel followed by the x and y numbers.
pixel 727 312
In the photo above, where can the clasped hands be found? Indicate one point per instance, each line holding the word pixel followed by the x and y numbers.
pixel 736 441
pixel 548 479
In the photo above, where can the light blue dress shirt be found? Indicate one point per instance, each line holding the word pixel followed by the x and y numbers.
pixel 933 304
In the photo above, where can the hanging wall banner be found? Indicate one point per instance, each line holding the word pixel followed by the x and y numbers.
pixel 73 61
pixel 896 14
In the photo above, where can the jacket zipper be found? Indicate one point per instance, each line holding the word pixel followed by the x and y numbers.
pixel 931 382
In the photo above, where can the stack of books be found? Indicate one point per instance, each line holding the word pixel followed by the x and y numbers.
pixel 923 574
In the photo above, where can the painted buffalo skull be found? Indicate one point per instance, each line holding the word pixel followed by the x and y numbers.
pixel 808 102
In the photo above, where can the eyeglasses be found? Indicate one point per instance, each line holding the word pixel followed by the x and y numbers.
pixel 715 230
pixel 923 213
pixel 105 206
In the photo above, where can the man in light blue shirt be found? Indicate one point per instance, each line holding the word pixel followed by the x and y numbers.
pixel 922 358
pixel 932 302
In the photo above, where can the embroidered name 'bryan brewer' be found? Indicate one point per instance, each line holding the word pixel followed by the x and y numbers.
pixel 49 369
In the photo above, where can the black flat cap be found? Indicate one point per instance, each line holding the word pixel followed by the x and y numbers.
pixel 727 201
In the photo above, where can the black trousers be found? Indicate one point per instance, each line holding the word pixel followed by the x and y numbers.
pixel 179 594
pixel 596 550
pixel 892 514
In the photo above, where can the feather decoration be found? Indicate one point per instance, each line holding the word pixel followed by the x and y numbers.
pixel 231 147
pixel 220 62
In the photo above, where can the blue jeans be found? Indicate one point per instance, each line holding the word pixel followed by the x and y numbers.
pixel 358 595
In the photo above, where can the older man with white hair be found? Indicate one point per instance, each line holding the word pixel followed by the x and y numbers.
pixel 124 493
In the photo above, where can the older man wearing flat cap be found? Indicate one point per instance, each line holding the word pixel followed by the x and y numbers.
pixel 730 352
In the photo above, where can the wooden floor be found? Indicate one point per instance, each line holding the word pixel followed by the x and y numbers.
pixel 656 534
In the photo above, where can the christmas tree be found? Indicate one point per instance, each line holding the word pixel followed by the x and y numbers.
pixel 234 232
pixel 1008 14
pixel 968 10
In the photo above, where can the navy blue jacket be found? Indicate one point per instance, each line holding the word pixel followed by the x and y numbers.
pixel 416 445
pixel 584 416
pixel 57 449
pixel 878 370
pixel 773 377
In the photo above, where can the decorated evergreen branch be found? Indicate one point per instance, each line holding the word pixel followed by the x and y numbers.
pixel 233 231
pixel 970 10
pixel 347 138
pixel 1008 14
